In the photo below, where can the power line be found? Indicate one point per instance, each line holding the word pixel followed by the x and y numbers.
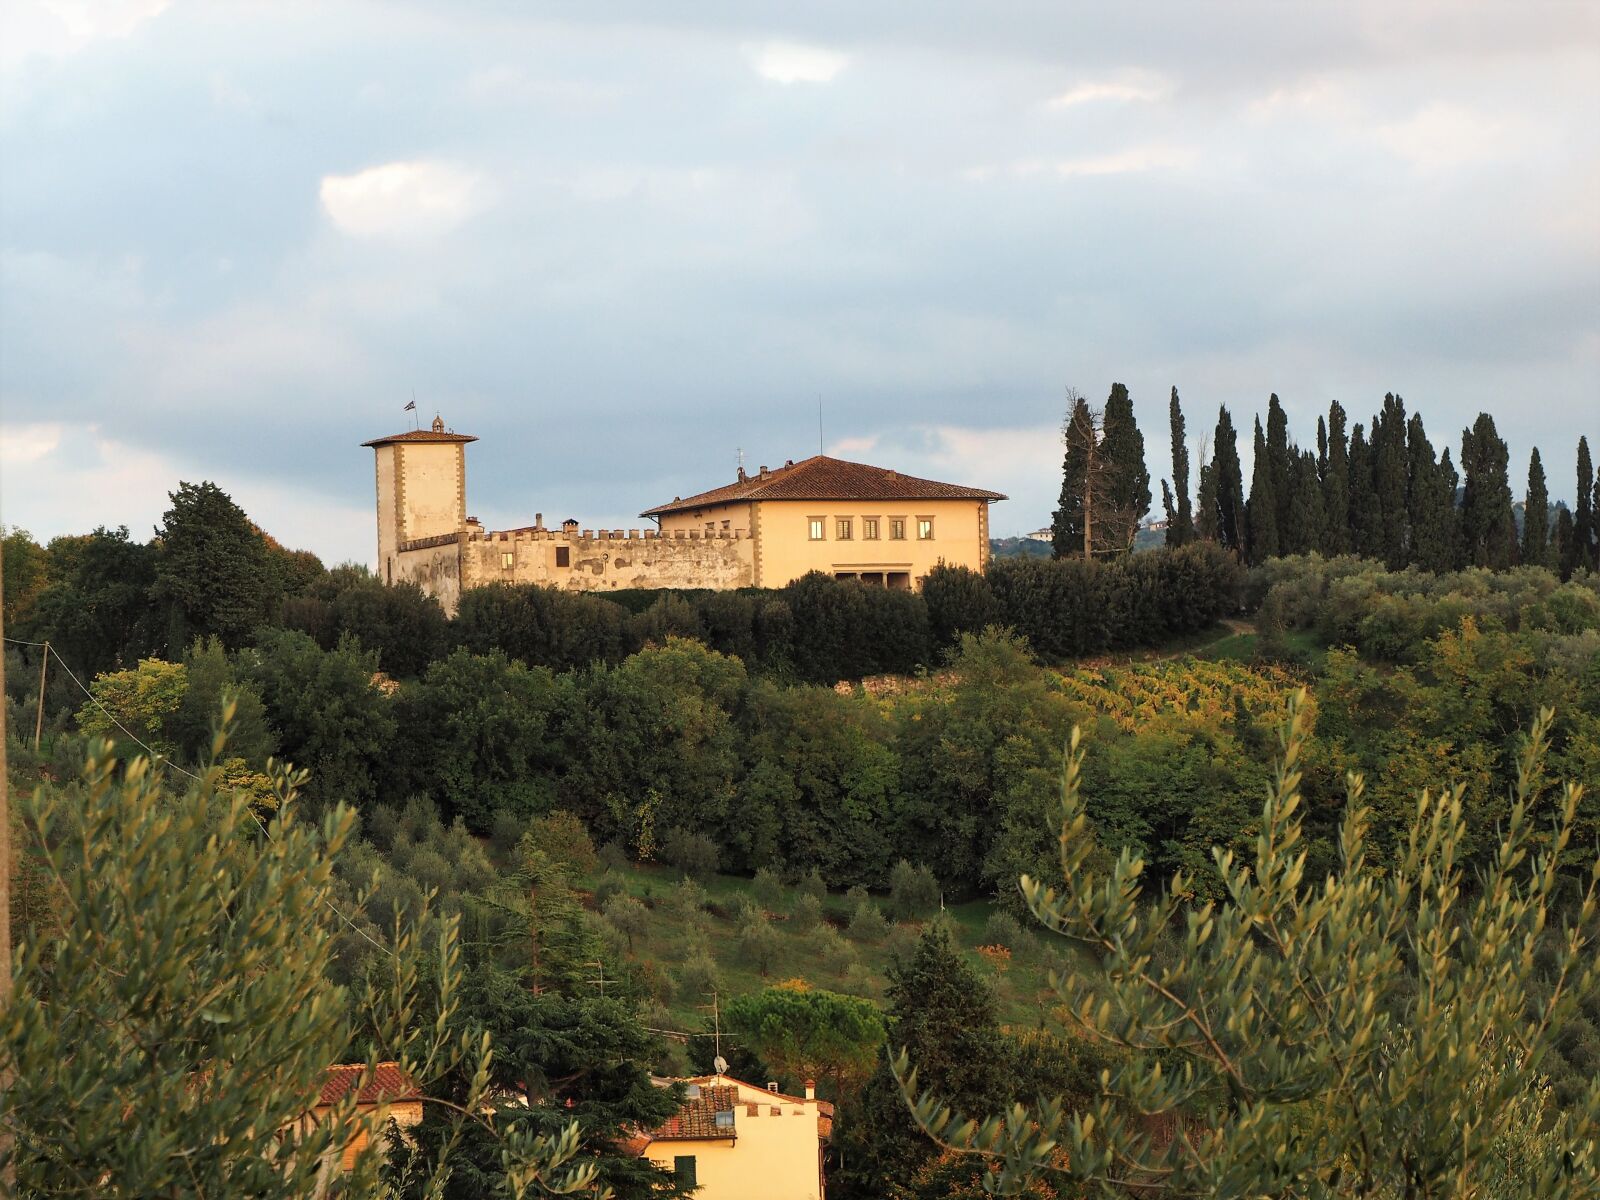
pixel 155 756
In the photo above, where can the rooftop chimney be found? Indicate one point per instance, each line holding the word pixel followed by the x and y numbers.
pixel 772 1084
pixel 763 470
pixel 742 475
pixel 538 520
pixel 811 1089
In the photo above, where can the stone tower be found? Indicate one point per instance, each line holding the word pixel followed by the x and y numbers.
pixel 422 489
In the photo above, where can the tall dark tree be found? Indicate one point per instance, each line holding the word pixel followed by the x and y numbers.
pixel 1488 530
pixel 1180 529
pixel 1584 533
pixel 212 570
pixel 1228 478
pixel 944 1014
pixel 1280 460
pixel 1081 439
pixel 1128 485
pixel 1452 550
pixel 1261 537
pixel 1430 503
pixel 1365 520
pixel 1336 485
pixel 1205 510
pixel 1389 478
pixel 96 610
pixel 1563 546
pixel 1536 516
pixel 1303 532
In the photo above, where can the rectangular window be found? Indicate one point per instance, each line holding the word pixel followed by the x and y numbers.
pixel 869 529
pixel 842 529
pixel 563 556
pixel 508 559
pixel 683 1170
pixel 925 529
pixel 897 529
pixel 817 526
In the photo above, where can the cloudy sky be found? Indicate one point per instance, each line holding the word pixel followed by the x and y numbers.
pixel 622 242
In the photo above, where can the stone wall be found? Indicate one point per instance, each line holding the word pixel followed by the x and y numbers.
pixel 586 560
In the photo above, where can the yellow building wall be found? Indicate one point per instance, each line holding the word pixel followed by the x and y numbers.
pixel 731 517
pixel 775 1157
pixel 388 512
pixel 785 551
pixel 432 488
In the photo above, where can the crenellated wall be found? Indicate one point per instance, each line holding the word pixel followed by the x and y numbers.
pixel 586 560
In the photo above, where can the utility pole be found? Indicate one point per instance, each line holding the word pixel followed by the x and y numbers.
pixel 38 721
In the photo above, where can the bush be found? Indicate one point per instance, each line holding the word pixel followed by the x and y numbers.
pixel 807 913
pixel 565 839
pixel 694 854
pixel 768 889
pixel 835 954
pixel 867 923
pixel 811 884
pixel 609 886
pixel 697 978
pixel 1002 929
pixel 613 856
pixel 912 890
pixel 759 944
pixel 505 831
pixel 627 915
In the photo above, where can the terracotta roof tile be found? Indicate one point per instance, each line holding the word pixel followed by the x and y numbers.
pixel 421 435
pixel 822 478
pixel 388 1082
pixel 697 1119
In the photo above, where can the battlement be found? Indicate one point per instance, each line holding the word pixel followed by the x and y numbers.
pixel 606 535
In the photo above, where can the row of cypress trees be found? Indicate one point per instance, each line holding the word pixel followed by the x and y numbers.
pixel 1381 490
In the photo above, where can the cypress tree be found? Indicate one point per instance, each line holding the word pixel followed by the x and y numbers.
pixel 1280 461
pixel 1205 513
pixel 1430 503
pixel 1536 516
pixel 1180 527
pixel 1389 478
pixel 1228 479
pixel 1262 526
pixel 1303 533
pixel 1079 435
pixel 1336 486
pixel 1583 515
pixel 1452 552
pixel 1322 449
pixel 1488 530
pixel 1128 484
pixel 1365 522
pixel 1564 547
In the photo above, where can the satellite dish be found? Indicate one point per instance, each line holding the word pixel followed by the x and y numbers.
pixel 721 1064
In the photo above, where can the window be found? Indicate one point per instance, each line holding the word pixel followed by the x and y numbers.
pixel 869 529
pixel 817 524
pixel 842 530
pixel 683 1170
pixel 508 559
pixel 711 526
pixel 563 556
pixel 897 529
pixel 925 529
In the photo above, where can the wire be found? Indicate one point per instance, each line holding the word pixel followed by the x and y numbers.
pixel 155 756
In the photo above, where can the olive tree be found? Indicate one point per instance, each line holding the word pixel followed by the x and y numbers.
pixel 1374 1034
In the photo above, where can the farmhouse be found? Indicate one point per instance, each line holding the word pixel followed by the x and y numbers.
pixel 764 529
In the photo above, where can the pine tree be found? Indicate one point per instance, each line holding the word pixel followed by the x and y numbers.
pixel 1584 533
pixel 1336 486
pixel 943 1013
pixel 1487 527
pixel 1430 503
pixel 1128 488
pixel 1389 480
pixel 1365 521
pixel 1262 523
pixel 1180 529
pixel 212 569
pixel 1279 459
pixel 1228 479
pixel 1079 435
pixel 1536 516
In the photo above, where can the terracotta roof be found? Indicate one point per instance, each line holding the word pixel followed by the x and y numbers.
pixel 697 1119
pixel 388 1082
pixel 422 435
pixel 822 478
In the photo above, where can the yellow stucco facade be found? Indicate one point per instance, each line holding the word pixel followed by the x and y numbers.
pixel 849 520
pixel 771 1149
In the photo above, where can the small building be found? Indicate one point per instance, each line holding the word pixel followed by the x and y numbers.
pixel 388 1088
pixel 734 1141
pixel 849 520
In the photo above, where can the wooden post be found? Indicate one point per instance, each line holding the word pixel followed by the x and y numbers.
pixel 38 721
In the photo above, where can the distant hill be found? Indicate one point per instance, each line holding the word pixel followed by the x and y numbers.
pixel 1021 547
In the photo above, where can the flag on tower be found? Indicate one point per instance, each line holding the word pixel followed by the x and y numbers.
pixel 410 407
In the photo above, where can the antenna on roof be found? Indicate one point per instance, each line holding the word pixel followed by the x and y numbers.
pixel 719 1062
pixel 416 417
pixel 819 422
